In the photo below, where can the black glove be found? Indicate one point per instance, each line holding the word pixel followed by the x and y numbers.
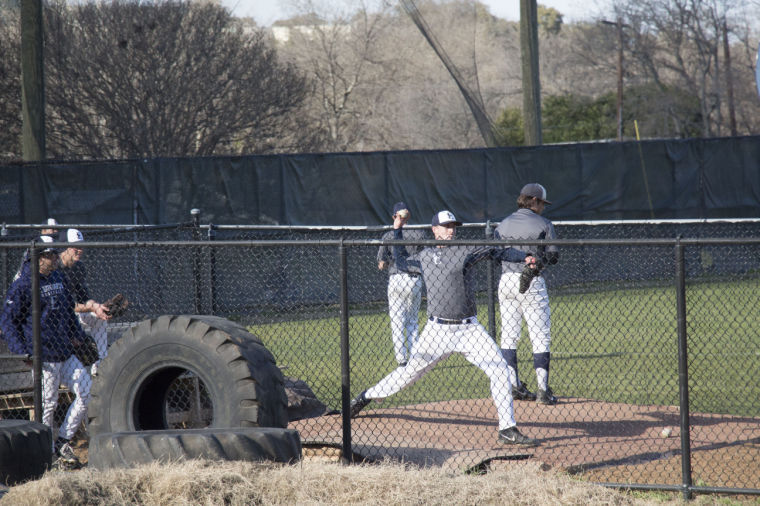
pixel 528 273
pixel 86 350
pixel 116 305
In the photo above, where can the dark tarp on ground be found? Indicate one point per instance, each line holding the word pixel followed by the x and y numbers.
pixel 697 178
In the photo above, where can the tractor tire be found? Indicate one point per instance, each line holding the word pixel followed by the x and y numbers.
pixel 119 450
pixel 240 383
pixel 26 450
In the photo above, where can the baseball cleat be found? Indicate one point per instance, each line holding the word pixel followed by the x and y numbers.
pixel 358 404
pixel 546 397
pixel 522 393
pixel 512 436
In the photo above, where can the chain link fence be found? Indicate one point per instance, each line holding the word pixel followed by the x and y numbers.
pixel 628 347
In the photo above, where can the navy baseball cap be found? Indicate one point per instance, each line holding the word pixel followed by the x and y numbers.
pixel 444 218
pixel 535 190
pixel 398 206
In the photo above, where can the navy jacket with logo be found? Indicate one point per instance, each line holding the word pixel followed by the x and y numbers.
pixel 58 322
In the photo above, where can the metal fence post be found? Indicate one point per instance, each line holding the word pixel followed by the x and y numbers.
pixel 490 278
pixel 345 370
pixel 196 217
pixel 34 256
pixel 4 266
pixel 683 370
pixel 212 269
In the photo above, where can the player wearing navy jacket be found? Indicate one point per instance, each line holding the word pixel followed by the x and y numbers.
pixel 59 332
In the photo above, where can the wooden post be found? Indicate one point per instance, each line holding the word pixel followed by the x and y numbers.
pixel 32 82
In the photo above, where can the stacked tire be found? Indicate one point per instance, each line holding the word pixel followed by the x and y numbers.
pixel 26 450
pixel 128 421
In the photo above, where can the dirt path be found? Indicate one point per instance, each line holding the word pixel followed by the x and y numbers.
pixel 606 441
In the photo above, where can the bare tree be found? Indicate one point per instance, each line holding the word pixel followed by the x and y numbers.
pixel 339 44
pixel 10 86
pixel 678 43
pixel 127 79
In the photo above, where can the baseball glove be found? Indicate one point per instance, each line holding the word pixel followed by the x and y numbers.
pixel 86 351
pixel 528 273
pixel 116 305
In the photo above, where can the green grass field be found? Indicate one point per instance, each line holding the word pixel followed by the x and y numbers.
pixel 616 345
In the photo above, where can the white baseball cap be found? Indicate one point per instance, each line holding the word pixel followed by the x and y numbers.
pixel 444 218
pixel 70 235
pixel 47 238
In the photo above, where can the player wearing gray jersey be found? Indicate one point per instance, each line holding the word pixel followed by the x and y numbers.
pixel 533 305
pixel 404 290
pixel 453 325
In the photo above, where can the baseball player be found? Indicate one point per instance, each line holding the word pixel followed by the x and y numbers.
pixel 92 315
pixel 453 326
pixel 404 291
pixel 533 305
pixel 59 332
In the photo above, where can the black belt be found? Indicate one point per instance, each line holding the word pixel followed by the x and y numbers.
pixel 411 274
pixel 446 321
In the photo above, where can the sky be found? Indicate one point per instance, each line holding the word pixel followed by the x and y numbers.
pixel 266 12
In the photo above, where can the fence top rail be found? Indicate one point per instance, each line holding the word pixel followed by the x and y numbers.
pixel 377 242
pixel 357 228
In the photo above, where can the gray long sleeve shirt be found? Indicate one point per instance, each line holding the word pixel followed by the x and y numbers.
pixel 448 274
pixel 526 224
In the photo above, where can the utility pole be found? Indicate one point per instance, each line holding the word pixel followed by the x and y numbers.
pixel 619 24
pixel 729 81
pixel 620 81
pixel 32 82
pixel 530 78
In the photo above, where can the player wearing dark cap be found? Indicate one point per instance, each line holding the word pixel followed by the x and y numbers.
pixel 404 290
pixel 452 325
pixel 533 305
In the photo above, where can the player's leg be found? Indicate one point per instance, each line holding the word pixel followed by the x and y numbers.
pixel 535 306
pixel 412 315
pixel 51 381
pixel 396 313
pixel 511 327
pixel 77 377
pixel 432 346
pixel 479 349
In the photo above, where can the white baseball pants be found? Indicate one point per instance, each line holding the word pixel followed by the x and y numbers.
pixel 74 375
pixel 404 296
pixel 533 305
pixel 437 341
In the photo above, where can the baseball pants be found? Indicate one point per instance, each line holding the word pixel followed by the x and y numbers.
pixel 533 306
pixel 98 329
pixel 74 375
pixel 404 296
pixel 437 341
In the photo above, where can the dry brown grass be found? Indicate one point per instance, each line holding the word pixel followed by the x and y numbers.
pixel 313 483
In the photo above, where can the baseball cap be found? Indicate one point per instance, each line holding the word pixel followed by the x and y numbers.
pixel 47 238
pixel 535 190
pixel 398 206
pixel 70 235
pixel 444 218
pixel 51 222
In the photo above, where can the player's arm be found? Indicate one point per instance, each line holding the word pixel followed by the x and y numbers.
pixel 15 313
pixel 404 261
pixel 92 307
pixel 549 254
pixel 383 256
